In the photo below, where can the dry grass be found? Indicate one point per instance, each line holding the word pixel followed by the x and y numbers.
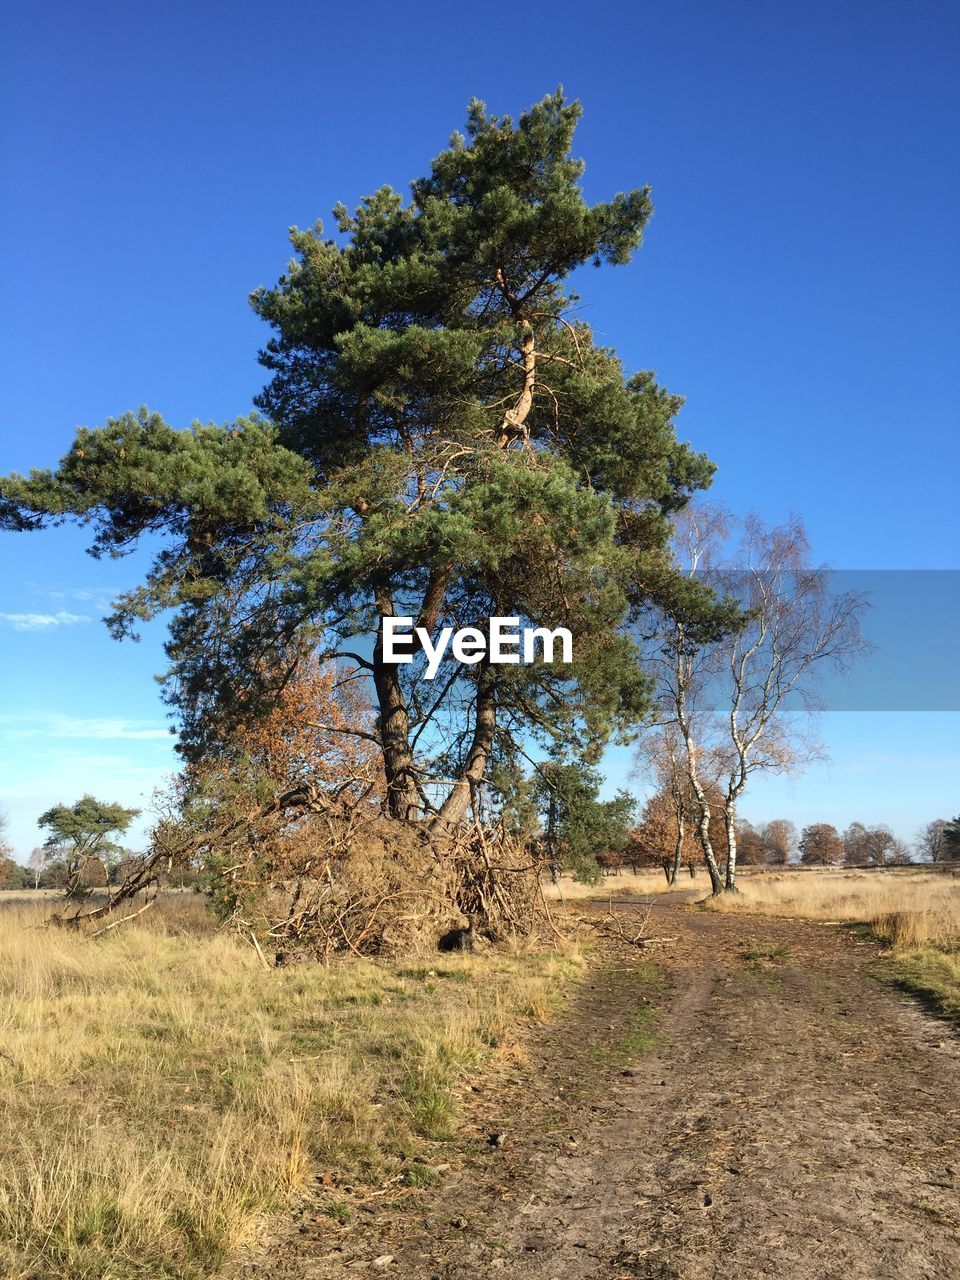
pixel 916 912
pixel 161 1089
pixel 629 882
pixel 907 908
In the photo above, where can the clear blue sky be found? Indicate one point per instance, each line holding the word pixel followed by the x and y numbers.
pixel 799 285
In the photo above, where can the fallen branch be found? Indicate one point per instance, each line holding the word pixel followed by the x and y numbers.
pixel 263 958
pixel 612 925
pixel 123 920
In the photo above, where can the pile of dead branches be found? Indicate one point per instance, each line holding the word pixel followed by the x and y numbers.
pixel 364 884
pixel 498 881
pixel 307 876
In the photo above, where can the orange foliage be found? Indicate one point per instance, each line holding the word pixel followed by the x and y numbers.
pixel 313 734
pixel 654 841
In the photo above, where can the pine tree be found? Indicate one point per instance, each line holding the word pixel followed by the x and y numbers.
pixel 443 440
pixel 79 838
pixel 577 825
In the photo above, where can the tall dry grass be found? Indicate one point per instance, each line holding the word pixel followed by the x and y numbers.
pixel 160 1089
pixel 627 882
pixel 907 907
pixel 915 911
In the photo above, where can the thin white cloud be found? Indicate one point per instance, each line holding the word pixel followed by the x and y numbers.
pixel 99 597
pixel 89 729
pixel 42 621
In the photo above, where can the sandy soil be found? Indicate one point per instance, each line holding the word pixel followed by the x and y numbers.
pixel 749 1101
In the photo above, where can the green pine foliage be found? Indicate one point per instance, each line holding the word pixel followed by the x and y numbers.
pixel 79 836
pixel 951 838
pixel 442 437
pixel 576 824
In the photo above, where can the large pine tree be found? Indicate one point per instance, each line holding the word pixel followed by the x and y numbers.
pixel 442 438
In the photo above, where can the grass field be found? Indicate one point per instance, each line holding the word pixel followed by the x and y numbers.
pixel 627 882
pixel 161 1089
pixel 915 911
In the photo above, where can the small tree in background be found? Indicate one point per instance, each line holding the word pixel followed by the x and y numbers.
pixel 780 840
pixel 752 849
pixel 882 846
pixel 80 839
pixel 820 845
pixel 668 836
pixel 37 863
pixel 12 875
pixel 951 839
pixel 663 837
pixel 873 847
pixel 930 843
pixel 794 628
pixel 899 853
pixel 577 824
pixel 744 700
pixel 856 845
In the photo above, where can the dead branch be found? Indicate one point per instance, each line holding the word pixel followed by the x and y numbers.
pixel 123 920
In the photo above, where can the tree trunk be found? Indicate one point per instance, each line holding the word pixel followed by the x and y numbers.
pixel 403 799
pixel 693 772
pixel 730 822
pixel 703 826
pixel 703 831
pixel 454 808
pixel 678 851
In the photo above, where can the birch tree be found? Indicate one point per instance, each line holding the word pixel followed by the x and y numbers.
pixel 669 832
pixel 743 697
pixel 681 644
pixel 795 628
pixel 37 863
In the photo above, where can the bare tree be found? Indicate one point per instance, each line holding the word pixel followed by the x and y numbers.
pixel 856 845
pixel 898 854
pixel 930 843
pixel 683 661
pixel 780 840
pixel 655 841
pixel 795 627
pixel 751 849
pixel 743 701
pixel 873 846
pixel 661 756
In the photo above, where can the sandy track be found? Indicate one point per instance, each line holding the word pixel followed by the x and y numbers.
pixel 795 1118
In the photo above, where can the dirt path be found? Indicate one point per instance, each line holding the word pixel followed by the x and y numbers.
pixel 755 1105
